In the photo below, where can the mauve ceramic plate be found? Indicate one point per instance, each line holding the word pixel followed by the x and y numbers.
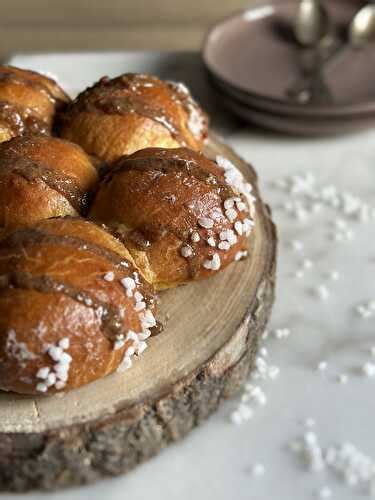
pixel 254 53
pixel 295 125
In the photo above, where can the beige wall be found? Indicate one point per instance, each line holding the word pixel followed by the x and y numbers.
pixel 45 25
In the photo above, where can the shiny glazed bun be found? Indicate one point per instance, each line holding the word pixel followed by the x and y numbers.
pixel 182 216
pixel 73 308
pixel 43 177
pixel 28 102
pixel 133 111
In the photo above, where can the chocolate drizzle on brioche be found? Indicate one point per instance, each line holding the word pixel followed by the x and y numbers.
pixel 20 121
pixel 36 81
pixel 35 171
pixel 123 95
pixel 183 163
pixel 180 161
pixel 110 316
pixel 29 236
pixel 26 237
pixel 24 120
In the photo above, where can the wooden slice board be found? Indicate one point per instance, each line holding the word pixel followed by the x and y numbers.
pixel 204 355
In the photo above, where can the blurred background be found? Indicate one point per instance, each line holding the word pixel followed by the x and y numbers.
pixel 47 25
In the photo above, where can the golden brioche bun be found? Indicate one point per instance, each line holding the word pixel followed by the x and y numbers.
pixel 43 177
pixel 133 111
pixel 72 307
pixel 28 102
pixel 181 216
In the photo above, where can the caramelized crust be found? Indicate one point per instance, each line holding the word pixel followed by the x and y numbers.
pixel 28 102
pixel 182 216
pixel 131 112
pixel 43 177
pixel 73 308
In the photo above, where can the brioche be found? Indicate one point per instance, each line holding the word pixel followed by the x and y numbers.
pixel 77 296
pixel 182 216
pixel 28 102
pixel 43 177
pixel 73 308
pixel 122 115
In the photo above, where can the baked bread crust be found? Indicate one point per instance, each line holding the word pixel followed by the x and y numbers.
pixel 43 177
pixel 180 215
pixel 76 302
pixel 119 116
pixel 73 308
pixel 28 102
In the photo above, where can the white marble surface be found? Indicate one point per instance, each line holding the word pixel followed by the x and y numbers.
pixel 214 462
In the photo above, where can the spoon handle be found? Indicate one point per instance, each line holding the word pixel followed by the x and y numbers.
pixel 311 87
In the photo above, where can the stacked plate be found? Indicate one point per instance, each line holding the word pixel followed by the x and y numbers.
pixel 253 59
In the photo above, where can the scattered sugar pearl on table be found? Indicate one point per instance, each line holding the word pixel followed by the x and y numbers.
pixel 322 292
pixel 369 370
pixel 297 246
pixel 281 333
pixel 258 470
pixel 324 493
pixel 322 366
pixel 241 415
pixel 366 309
pixel 258 396
pixel 273 372
pixel 318 197
pixel 263 351
pixel 307 263
pixel 334 275
pixel 309 422
pixel 342 378
pixel 347 462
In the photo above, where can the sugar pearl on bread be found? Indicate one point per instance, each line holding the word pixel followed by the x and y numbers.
pixel 76 319
pixel 209 224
